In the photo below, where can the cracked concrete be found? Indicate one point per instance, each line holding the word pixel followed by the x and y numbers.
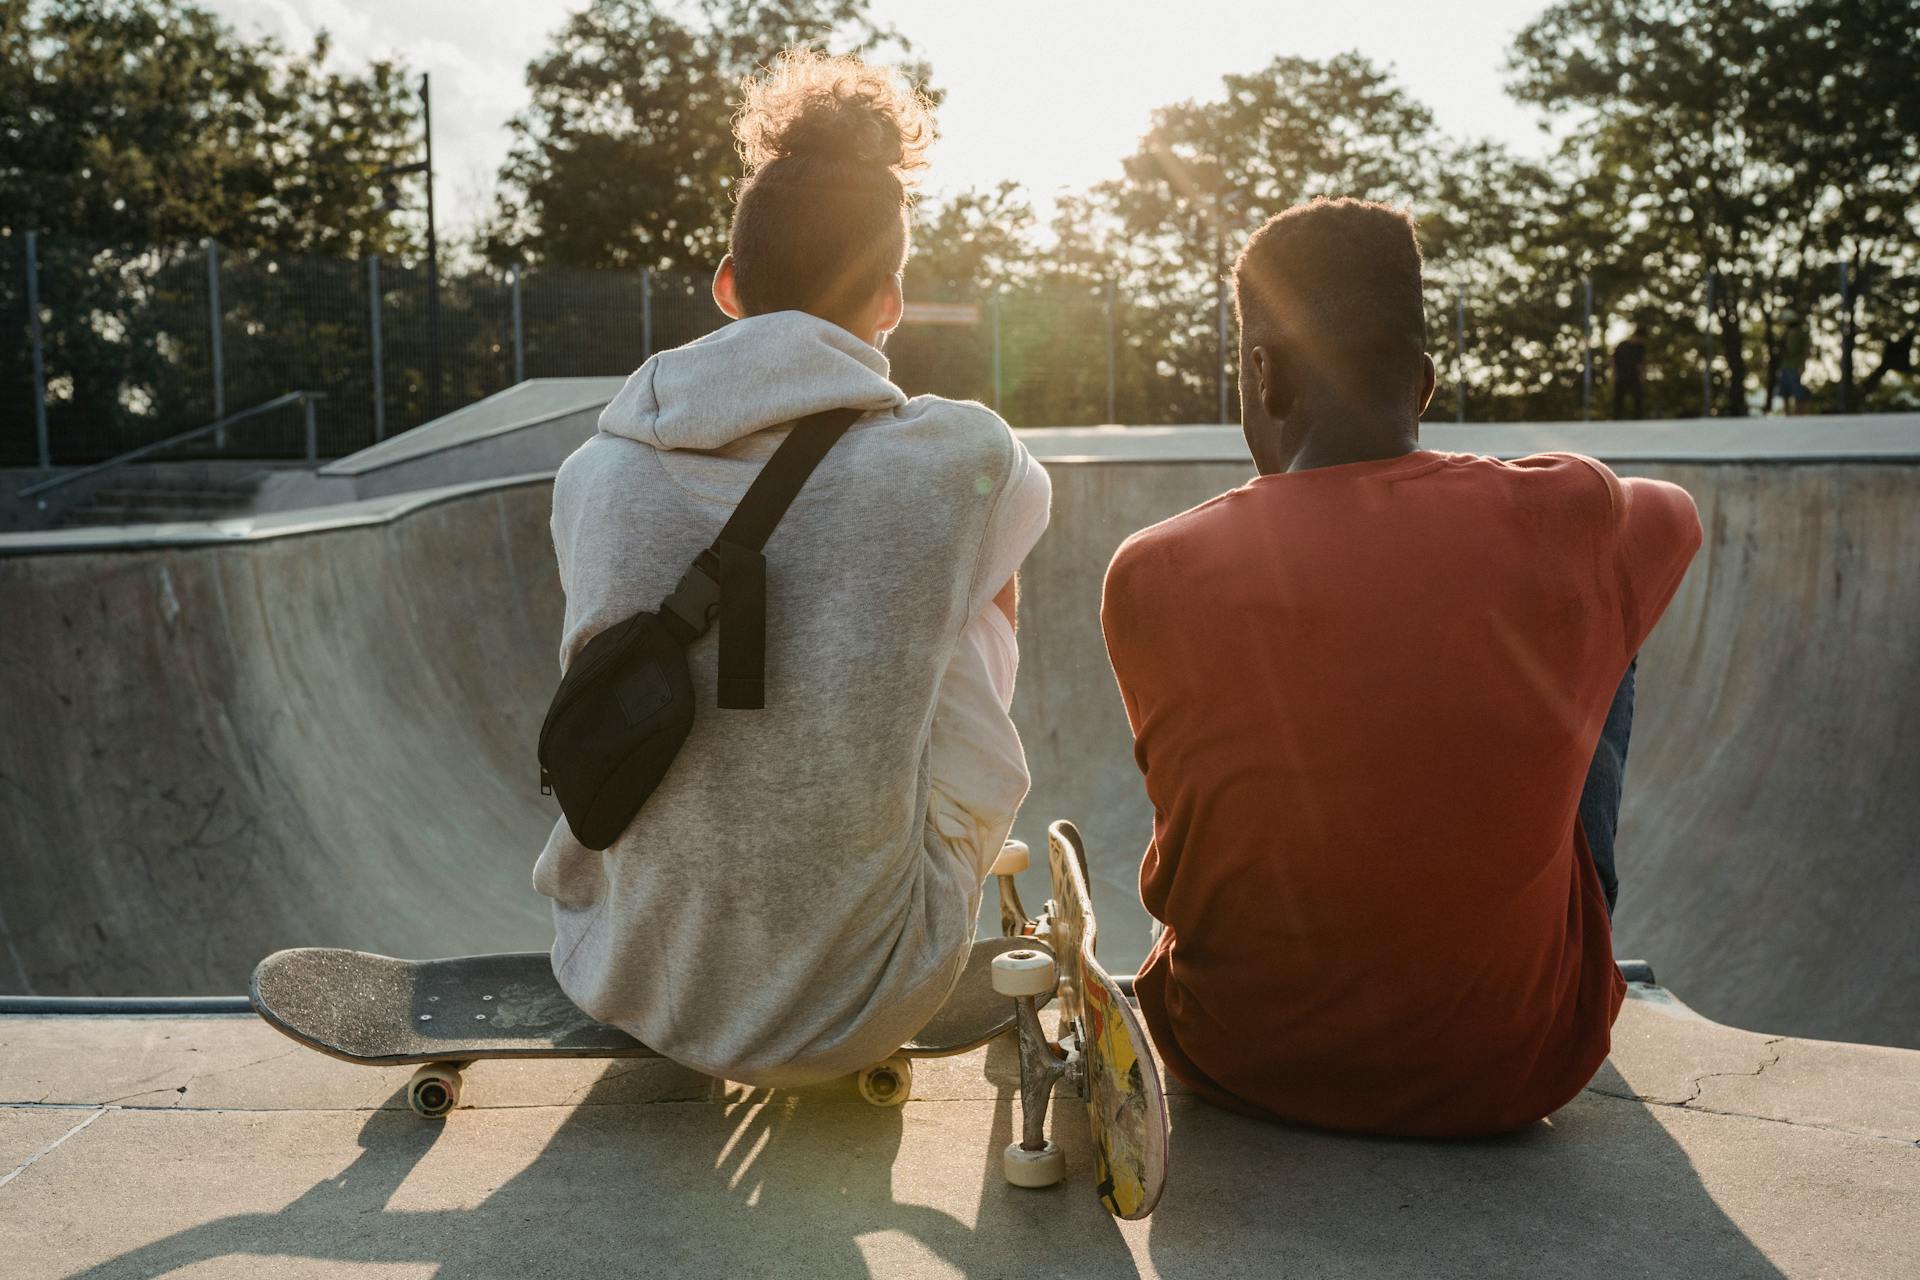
pixel 1765 1046
pixel 1699 1149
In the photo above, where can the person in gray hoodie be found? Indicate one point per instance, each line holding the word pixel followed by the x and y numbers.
pixel 799 896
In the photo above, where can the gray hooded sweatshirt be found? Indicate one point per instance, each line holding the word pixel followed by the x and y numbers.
pixel 799 895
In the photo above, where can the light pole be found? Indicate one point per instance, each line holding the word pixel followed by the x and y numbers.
pixel 391 200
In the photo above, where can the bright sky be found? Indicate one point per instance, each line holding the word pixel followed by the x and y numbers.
pixel 1050 93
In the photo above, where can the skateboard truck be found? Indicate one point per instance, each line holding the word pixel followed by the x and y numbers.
pixel 1012 860
pixel 1028 976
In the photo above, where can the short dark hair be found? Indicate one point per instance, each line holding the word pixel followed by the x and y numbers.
pixel 830 146
pixel 1337 282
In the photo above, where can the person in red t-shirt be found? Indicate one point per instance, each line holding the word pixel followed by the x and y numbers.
pixel 1381 699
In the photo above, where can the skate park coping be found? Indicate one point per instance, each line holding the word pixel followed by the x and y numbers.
pixel 551 417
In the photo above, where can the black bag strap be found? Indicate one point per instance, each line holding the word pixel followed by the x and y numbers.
pixel 728 581
pixel 785 474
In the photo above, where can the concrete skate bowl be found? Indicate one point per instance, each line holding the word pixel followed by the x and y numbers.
pixel 319 730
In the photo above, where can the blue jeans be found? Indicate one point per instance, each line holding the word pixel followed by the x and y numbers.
pixel 1600 796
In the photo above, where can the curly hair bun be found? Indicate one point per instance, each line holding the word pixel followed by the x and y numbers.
pixel 834 109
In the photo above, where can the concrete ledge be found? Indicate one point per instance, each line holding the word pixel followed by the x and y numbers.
pixel 535 403
pixel 139 1146
pixel 1850 438
pixel 277 524
pixel 1863 439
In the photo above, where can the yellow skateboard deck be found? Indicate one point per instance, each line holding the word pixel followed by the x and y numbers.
pixel 1119 1080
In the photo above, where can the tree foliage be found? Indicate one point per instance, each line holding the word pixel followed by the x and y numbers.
pixel 1754 142
pixel 625 157
pixel 130 132
pixel 1767 145
pixel 149 121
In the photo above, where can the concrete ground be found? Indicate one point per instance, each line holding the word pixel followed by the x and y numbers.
pixel 211 1147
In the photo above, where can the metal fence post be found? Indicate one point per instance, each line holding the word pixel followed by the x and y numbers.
pixel 213 331
pixel 646 314
pixel 1846 335
pixel 1220 350
pixel 313 429
pixel 1112 415
pixel 993 306
pixel 519 333
pixel 1460 357
pixel 43 445
pixel 1706 365
pixel 376 345
pixel 1586 351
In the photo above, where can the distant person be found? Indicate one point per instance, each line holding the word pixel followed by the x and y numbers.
pixel 1381 697
pixel 1630 375
pixel 798 897
pixel 1793 393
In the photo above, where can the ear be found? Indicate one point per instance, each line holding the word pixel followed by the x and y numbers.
pixel 1429 379
pixel 726 294
pixel 893 305
pixel 1273 385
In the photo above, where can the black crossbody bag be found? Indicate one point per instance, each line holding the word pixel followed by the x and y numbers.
pixel 626 703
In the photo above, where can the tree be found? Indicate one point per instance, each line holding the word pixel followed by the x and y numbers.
pixel 143 122
pixel 1855 169
pixel 1208 172
pixel 131 131
pixel 1736 132
pixel 625 157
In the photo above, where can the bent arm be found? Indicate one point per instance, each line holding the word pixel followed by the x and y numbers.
pixel 1659 536
pixel 978 768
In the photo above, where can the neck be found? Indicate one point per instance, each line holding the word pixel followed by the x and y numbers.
pixel 1304 441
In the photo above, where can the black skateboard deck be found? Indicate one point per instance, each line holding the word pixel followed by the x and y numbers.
pixel 381 1011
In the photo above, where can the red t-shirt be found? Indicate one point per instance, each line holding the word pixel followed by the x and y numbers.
pixel 1364 699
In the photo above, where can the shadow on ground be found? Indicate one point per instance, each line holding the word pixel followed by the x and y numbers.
pixel 814 1183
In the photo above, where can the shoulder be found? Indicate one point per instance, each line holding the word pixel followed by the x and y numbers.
pixel 964 442
pixel 1625 497
pixel 601 461
pixel 1571 484
pixel 1158 547
pixel 962 429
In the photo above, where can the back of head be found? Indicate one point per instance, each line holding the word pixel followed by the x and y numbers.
pixel 830 146
pixel 1333 288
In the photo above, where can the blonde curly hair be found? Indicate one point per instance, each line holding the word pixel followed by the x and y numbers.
pixel 809 103
pixel 831 147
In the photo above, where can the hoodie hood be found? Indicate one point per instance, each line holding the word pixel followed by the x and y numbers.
pixel 752 374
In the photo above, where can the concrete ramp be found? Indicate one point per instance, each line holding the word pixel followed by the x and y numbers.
pixel 319 729
pixel 216 750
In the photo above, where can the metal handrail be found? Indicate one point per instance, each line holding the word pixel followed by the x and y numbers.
pixel 304 398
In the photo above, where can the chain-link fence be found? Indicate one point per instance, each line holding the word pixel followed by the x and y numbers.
pixel 135 345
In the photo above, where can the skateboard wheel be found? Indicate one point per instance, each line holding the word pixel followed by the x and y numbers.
pixel 1014 858
pixel 887 1084
pixel 1026 1168
pixel 1024 973
pixel 434 1090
